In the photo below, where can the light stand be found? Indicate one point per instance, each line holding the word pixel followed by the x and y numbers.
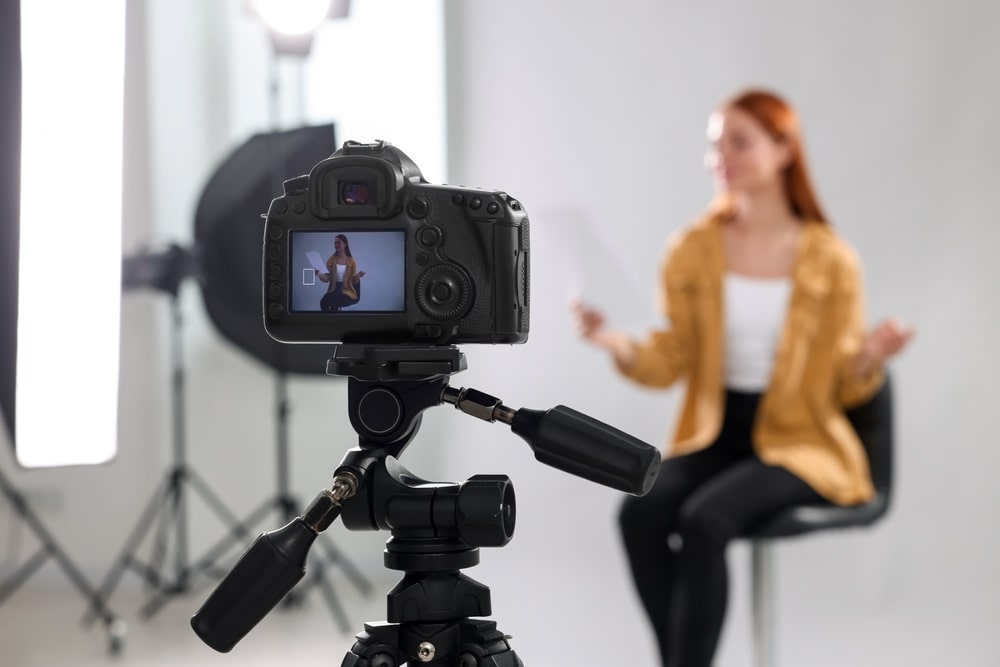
pixel 226 262
pixel 169 570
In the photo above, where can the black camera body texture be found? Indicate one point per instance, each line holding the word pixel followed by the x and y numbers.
pixel 429 264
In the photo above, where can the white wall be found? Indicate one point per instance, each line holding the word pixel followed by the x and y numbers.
pixel 593 115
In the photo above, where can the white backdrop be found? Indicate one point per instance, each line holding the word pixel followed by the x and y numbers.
pixel 593 115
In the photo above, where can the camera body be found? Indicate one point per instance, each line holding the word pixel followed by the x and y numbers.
pixel 364 250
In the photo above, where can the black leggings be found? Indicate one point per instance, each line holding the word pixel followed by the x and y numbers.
pixel 335 299
pixel 676 535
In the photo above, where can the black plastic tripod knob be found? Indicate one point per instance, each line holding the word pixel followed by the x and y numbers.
pixel 266 573
pixel 486 511
pixel 581 445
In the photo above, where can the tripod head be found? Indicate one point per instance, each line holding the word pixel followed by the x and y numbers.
pixel 437 528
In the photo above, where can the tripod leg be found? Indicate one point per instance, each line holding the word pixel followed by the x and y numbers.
pixel 212 500
pixel 116 628
pixel 318 579
pixel 126 557
pixel 377 646
pixel 465 643
pixel 18 577
pixel 333 555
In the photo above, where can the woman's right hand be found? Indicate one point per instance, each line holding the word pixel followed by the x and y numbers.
pixel 589 321
pixel 590 325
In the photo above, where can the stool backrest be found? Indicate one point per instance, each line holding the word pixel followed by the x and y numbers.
pixel 873 422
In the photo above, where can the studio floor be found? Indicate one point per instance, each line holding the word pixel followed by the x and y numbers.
pixel 41 625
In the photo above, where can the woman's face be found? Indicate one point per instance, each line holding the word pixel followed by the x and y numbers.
pixel 338 245
pixel 742 156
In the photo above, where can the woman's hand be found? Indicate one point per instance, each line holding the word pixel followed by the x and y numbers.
pixel 590 325
pixel 358 276
pixel 589 321
pixel 884 342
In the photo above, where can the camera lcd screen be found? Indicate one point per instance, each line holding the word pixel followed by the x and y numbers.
pixel 348 271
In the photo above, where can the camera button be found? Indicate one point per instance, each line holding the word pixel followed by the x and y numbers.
pixel 475 203
pixel 275 233
pixel 276 311
pixel 419 207
pixel 273 251
pixel 440 292
pixel 300 207
pixel 274 271
pixel 492 208
pixel 274 290
pixel 429 236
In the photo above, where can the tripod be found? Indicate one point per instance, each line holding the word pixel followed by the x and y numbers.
pixel 49 548
pixel 437 528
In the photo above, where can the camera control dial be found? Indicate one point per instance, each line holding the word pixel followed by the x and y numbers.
pixel 444 292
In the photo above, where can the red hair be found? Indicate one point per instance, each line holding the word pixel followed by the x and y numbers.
pixel 781 122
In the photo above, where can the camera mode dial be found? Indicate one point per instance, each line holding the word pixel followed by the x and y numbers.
pixel 444 292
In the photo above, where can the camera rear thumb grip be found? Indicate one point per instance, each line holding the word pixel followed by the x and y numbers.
pixel 583 446
pixel 268 571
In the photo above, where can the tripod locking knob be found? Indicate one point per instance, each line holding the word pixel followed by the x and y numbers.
pixel 486 510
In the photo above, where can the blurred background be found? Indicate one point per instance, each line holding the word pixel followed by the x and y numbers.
pixel 593 115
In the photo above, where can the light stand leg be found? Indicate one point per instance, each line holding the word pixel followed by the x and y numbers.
pixel 116 627
pixel 762 566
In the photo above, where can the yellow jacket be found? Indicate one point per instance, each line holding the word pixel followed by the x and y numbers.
pixel 349 275
pixel 800 423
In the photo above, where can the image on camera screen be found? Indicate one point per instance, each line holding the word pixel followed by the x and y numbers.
pixel 348 271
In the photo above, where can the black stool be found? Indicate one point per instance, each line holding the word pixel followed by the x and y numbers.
pixel 873 422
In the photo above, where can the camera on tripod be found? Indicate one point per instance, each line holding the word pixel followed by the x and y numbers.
pixel 363 249
pixel 410 270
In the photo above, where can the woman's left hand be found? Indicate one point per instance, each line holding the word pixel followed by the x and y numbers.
pixel 884 342
pixel 359 276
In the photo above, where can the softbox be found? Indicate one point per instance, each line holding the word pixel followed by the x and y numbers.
pixel 229 235
pixel 10 200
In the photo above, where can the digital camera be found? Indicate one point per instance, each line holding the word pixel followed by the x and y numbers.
pixel 364 250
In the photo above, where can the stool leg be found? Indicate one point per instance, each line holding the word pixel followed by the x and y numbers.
pixel 762 593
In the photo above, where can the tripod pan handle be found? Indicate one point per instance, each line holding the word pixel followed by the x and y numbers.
pixel 583 446
pixel 265 574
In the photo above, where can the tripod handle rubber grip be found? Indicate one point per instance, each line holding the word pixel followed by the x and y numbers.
pixel 583 446
pixel 264 575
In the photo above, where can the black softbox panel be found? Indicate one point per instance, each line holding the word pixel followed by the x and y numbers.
pixel 229 233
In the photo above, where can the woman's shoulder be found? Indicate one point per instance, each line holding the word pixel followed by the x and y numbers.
pixel 827 241
pixel 690 242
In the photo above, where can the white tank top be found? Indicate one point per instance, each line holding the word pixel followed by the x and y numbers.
pixel 755 310
pixel 341 270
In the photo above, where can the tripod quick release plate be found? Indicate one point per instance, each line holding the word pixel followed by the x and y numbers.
pixel 395 362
